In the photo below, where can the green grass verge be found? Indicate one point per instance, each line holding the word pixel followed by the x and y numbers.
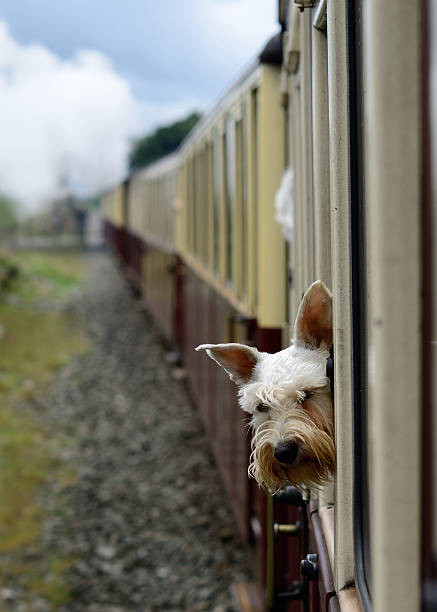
pixel 44 275
pixel 34 343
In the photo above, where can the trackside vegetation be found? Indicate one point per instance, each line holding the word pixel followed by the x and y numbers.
pixel 161 142
pixel 37 336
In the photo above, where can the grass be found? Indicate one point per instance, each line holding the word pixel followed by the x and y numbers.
pixel 34 343
pixel 44 275
pixel 53 585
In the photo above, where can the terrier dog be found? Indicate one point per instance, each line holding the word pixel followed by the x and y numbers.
pixel 289 398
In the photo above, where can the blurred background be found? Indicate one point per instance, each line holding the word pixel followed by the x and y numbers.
pixel 90 91
pixel 81 83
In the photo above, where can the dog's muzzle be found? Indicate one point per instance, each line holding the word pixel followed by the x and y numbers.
pixel 286 452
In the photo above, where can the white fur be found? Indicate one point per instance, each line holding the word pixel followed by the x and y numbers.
pixel 279 381
pixel 288 396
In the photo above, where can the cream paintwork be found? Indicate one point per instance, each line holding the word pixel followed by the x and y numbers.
pixel 320 108
pixel 271 247
pixel 134 221
pixel 321 62
pixel 152 198
pixel 210 204
pixel 237 213
pixel 292 40
pixel 309 158
pixel 341 289
pixel 393 149
pixel 292 64
pixel 265 296
pixel 391 265
pixel 306 120
pixel 222 210
pixel 321 170
pixel 113 206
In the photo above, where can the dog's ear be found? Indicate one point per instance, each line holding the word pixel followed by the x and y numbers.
pixel 238 360
pixel 313 326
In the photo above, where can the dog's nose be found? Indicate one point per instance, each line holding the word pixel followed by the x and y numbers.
pixel 286 452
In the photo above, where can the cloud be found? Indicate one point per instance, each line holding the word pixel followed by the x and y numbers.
pixel 70 113
pixel 61 122
pixel 171 52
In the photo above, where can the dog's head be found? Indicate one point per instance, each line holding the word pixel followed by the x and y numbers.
pixel 289 398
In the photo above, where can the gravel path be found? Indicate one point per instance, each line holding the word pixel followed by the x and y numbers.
pixel 146 522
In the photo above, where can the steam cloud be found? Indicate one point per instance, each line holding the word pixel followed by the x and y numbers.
pixel 63 123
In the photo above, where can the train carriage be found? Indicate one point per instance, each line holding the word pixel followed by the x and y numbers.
pixel 113 212
pixel 153 199
pixel 355 84
pixel 234 252
pixel 343 102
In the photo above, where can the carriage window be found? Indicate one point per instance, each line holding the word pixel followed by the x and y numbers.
pixel 201 184
pixel 189 206
pixel 245 204
pixel 224 194
pixel 205 202
pixel 253 253
pixel 195 199
pixel 210 203
pixel 199 203
pixel 193 207
pixel 229 183
pixel 216 200
pixel 186 206
pixel 241 242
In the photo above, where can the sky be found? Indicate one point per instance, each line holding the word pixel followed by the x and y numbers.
pixel 79 80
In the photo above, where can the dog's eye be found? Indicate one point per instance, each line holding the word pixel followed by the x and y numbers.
pixel 262 408
pixel 304 394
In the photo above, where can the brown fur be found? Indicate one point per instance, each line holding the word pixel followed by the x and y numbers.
pixel 308 425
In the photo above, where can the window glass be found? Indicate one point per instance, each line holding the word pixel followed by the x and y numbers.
pixel 188 204
pixel 216 199
pixel 195 200
pixel 210 204
pixel 242 201
pixel 228 181
pixel 253 253
pixel 205 203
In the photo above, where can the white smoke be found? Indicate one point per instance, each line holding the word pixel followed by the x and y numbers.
pixel 64 124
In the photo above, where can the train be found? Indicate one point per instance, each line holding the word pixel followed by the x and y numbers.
pixel 317 163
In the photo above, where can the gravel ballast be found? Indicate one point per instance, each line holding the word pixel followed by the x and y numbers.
pixel 146 521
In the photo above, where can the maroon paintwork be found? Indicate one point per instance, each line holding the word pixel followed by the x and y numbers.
pixel 208 317
pixel 157 278
pixel 134 254
pixel 325 590
pixel 190 312
pixel 114 237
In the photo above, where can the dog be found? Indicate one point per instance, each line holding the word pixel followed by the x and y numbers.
pixel 288 397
